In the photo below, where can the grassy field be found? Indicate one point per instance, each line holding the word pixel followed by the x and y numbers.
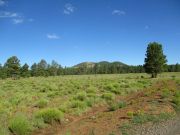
pixel 34 103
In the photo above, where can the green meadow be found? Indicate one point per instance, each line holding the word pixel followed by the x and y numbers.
pixel 31 103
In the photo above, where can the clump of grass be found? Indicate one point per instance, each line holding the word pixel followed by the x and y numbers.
pixel 42 103
pixel 176 100
pixel 165 93
pixel 39 123
pixel 50 115
pixel 140 119
pixel 143 118
pixel 15 100
pixel 125 128
pixel 91 90
pixel 90 101
pixel 78 104
pixel 113 106
pixel 108 96
pixel 122 104
pixel 91 95
pixel 130 113
pixel 80 96
pixel 20 125
pixel 113 88
pixel 109 87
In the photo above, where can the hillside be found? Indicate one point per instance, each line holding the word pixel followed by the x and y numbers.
pixel 101 63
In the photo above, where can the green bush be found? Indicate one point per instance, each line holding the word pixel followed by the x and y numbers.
pixel 91 90
pixel 176 100
pixel 140 119
pixel 165 93
pixel 50 115
pixel 91 95
pixel 90 101
pixel 122 104
pixel 143 118
pixel 20 125
pixel 42 103
pixel 109 87
pixel 113 107
pixel 80 96
pixel 39 123
pixel 78 104
pixel 108 96
pixel 177 94
pixel 130 113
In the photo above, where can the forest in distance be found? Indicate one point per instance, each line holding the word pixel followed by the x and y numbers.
pixel 42 68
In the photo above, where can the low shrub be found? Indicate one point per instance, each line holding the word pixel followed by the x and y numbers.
pixel 165 93
pixel 143 118
pixel 42 103
pixel 78 104
pixel 50 115
pixel 39 123
pixel 91 89
pixel 114 88
pixel 109 87
pixel 130 113
pixel 80 96
pixel 20 125
pixel 176 100
pixel 113 107
pixel 90 101
pixel 108 96
pixel 121 104
pixel 91 95
pixel 140 119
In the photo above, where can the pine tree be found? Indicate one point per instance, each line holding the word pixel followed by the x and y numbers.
pixel 12 67
pixel 155 61
pixel 25 71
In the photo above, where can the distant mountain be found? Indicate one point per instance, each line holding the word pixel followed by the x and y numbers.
pixel 85 64
pixel 101 63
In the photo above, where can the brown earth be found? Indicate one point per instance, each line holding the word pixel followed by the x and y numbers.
pixel 100 121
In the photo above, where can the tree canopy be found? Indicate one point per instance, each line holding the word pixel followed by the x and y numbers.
pixel 155 61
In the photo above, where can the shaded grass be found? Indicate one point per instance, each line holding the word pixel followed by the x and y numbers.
pixel 50 115
pixel 20 125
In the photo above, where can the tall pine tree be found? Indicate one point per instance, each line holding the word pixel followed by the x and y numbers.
pixel 155 61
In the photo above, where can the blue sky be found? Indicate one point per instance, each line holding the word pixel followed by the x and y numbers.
pixel 73 31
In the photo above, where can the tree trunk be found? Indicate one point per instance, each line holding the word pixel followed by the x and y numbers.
pixel 154 75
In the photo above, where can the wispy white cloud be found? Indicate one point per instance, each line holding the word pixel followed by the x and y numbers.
pixel 118 12
pixel 68 9
pixel 15 17
pixel 6 14
pixel 18 21
pixel 52 36
pixel 2 2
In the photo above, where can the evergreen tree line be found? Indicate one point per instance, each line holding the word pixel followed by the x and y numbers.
pixel 13 69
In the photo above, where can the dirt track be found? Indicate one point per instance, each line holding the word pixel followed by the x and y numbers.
pixel 100 121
